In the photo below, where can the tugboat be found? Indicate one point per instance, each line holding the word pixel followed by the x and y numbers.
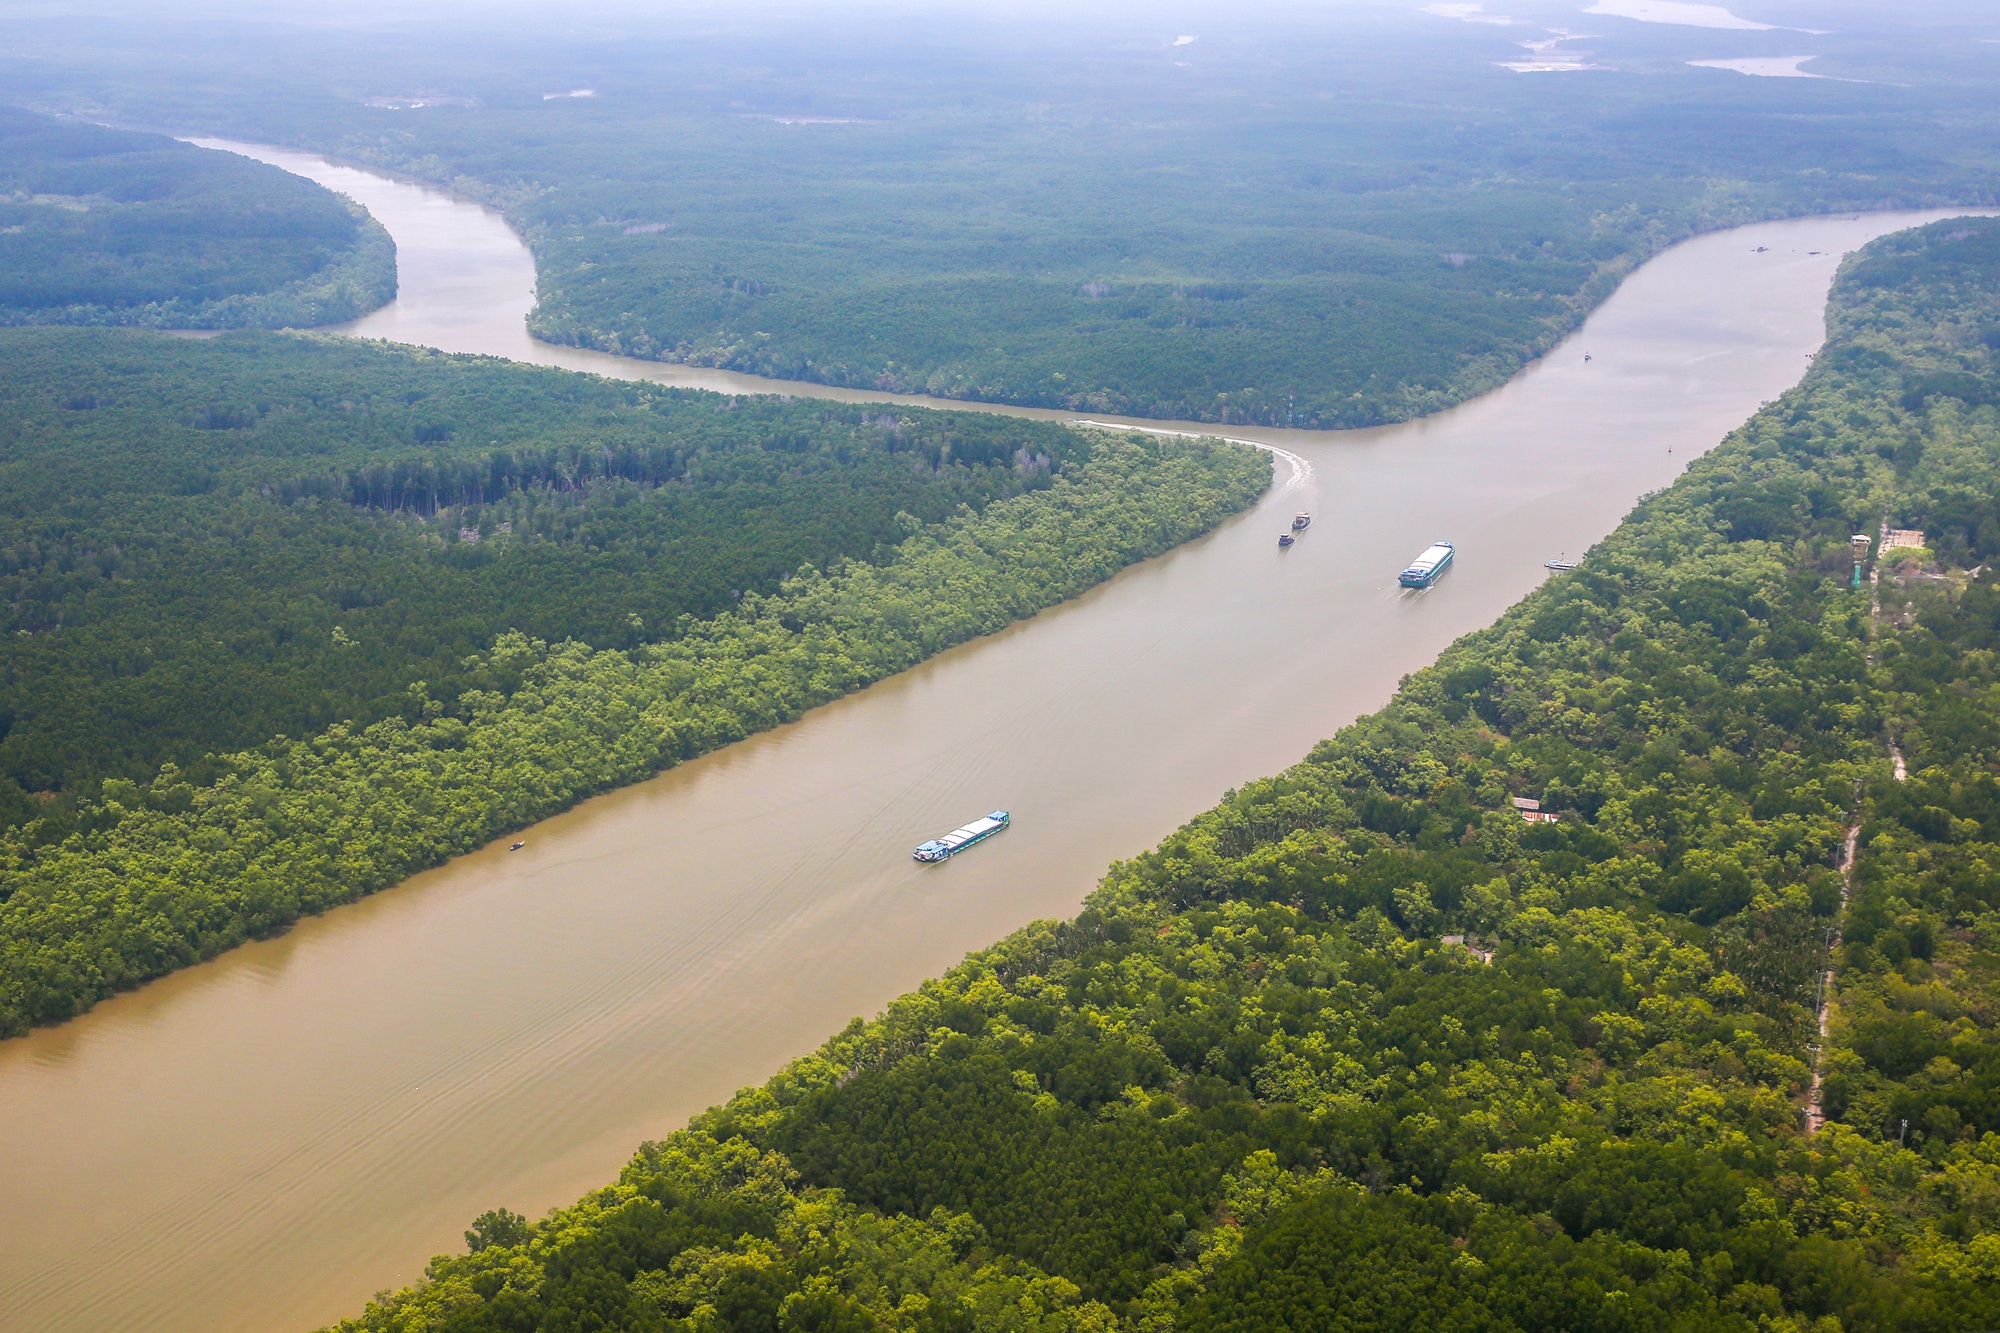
pixel 1300 520
pixel 1286 538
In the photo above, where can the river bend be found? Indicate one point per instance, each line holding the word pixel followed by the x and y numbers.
pixel 258 1143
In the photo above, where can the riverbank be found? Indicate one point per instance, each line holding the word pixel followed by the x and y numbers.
pixel 1364 1047
pixel 157 876
pixel 262 1141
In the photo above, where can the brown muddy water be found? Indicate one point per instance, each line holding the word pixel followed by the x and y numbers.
pixel 259 1143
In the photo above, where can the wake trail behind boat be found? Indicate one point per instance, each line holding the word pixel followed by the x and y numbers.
pixel 1302 468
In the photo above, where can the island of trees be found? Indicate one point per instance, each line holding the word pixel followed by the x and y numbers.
pixel 1363 1049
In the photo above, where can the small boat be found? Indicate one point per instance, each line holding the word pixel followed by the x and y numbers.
pixel 517 846
pixel 979 830
pixel 1301 520
pixel 1286 538
pixel 1426 568
pixel 1560 564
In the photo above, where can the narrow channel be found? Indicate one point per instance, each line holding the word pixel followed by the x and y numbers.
pixel 259 1143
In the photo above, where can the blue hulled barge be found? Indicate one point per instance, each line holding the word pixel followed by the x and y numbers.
pixel 1426 568
pixel 979 830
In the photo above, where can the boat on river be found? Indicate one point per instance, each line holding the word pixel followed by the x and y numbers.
pixel 1426 568
pixel 1286 538
pixel 1300 520
pixel 979 830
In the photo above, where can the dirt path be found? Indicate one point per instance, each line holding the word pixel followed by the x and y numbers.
pixel 1815 1094
pixel 1815 1112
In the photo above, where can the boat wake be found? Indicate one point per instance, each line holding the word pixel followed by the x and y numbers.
pixel 1301 468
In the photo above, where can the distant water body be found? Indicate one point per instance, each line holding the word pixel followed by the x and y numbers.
pixel 256 1144
pixel 1764 67
pixel 1677 12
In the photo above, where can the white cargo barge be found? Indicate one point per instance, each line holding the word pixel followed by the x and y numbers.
pixel 979 830
pixel 1426 568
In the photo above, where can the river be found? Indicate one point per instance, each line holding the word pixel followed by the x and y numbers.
pixel 258 1143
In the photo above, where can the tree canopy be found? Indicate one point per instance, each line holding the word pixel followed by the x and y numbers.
pixel 336 545
pixel 205 545
pixel 1363 1049
pixel 1316 215
pixel 104 226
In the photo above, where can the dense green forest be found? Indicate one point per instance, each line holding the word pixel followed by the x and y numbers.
pixel 204 545
pixel 1326 216
pixel 176 866
pixel 1363 1049
pixel 103 226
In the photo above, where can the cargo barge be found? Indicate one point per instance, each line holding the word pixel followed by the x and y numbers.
pixel 1426 568
pixel 979 830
